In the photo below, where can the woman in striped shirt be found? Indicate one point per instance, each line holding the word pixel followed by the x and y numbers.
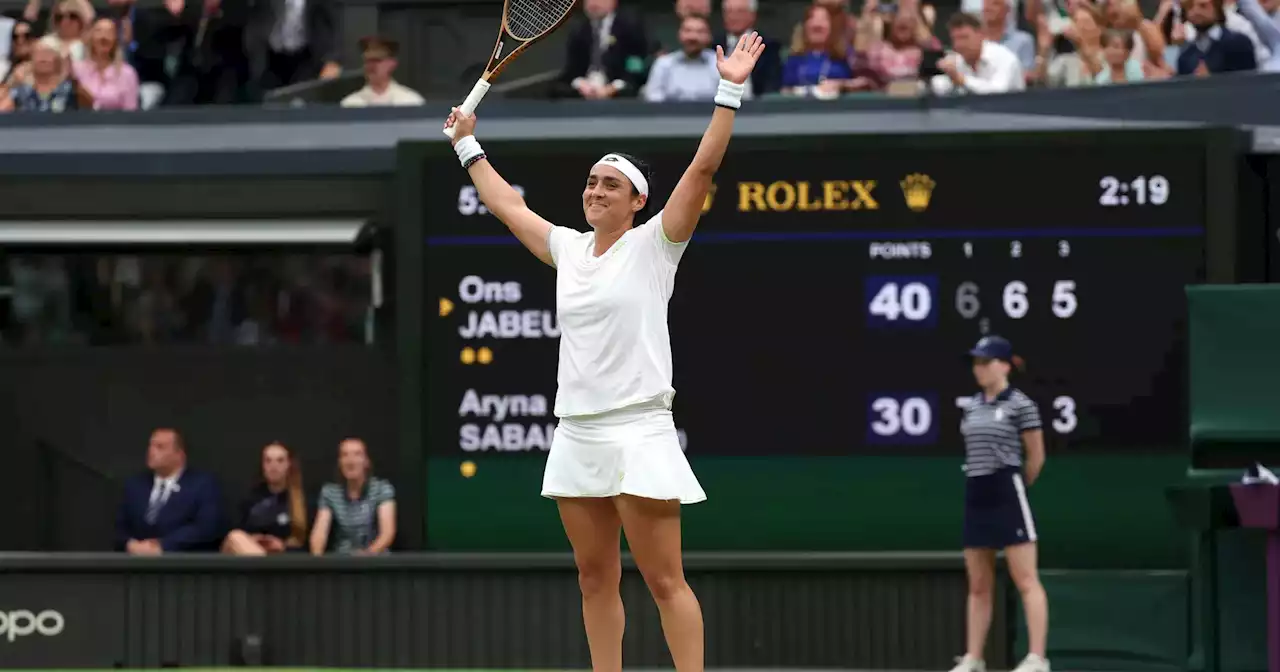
pixel 1000 426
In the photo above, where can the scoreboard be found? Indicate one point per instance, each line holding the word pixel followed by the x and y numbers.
pixel 825 303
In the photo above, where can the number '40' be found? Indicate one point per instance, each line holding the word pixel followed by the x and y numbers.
pixel 911 300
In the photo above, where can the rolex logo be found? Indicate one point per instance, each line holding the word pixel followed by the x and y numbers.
pixel 917 189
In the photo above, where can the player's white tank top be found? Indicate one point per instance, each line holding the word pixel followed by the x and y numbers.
pixel 615 350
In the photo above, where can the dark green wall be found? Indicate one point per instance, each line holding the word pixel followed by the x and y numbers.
pixel 1092 511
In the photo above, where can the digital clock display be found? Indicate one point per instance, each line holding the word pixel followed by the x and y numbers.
pixel 833 286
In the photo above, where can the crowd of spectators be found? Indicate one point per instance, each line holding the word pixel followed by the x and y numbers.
pixel 991 46
pixel 173 507
pixel 69 56
pixel 258 299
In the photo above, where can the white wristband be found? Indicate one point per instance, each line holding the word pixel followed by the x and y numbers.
pixel 730 94
pixel 467 149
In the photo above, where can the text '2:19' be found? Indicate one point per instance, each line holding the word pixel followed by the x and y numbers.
pixel 1141 190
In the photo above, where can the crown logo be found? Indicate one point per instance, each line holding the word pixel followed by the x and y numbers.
pixel 917 189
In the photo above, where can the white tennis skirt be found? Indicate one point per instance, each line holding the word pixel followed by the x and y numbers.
pixel 630 451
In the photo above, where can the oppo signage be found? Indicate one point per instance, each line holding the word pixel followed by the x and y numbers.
pixel 61 620
pixel 18 623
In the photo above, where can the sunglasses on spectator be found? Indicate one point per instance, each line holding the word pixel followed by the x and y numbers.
pixel 60 16
pixel 21 37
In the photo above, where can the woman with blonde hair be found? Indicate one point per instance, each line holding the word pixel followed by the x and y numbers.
pixel 894 45
pixel 67 24
pixel 273 518
pixel 103 73
pixel 49 87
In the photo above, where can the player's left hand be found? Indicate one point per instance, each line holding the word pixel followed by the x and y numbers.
pixel 738 66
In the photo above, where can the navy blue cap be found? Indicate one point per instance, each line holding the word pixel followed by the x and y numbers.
pixel 993 347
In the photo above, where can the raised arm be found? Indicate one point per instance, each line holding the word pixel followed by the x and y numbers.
pixel 1262 22
pixel 497 195
pixel 680 215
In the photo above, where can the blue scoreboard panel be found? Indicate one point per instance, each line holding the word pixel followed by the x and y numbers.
pixel 827 299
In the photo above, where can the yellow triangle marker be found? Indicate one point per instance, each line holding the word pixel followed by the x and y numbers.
pixel 446 307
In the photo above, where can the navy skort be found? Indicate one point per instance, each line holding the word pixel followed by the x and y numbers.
pixel 997 514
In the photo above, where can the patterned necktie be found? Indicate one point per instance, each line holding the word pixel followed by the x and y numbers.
pixel 597 46
pixel 157 503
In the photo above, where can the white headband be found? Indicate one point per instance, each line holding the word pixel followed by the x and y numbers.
pixel 626 168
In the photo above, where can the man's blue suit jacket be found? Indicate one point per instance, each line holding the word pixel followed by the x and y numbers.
pixel 191 520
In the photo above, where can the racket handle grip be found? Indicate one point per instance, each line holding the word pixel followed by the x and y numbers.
pixel 471 103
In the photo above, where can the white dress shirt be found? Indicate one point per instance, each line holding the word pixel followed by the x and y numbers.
pixel 290 32
pixel 396 94
pixel 163 488
pixel 998 71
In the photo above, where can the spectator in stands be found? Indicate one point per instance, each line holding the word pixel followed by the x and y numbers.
pixel 291 41
pixel 356 515
pixel 687 8
pixel 68 23
pixel 50 89
pixel 171 507
pixel 844 28
pixel 273 518
pixel 684 8
pixel 104 74
pixel 1215 49
pixel 1119 68
pixel 1267 25
pixel 380 88
pixel 1148 43
pixel 689 74
pixel 976 65
pixel 995 23
pixel 1235 22
pixel 978 8
pixel 606 54
pixel 739 20
pixel 1079 65
pixel 17 67
pixel 208 39
pixel 820 69
pixel 894 49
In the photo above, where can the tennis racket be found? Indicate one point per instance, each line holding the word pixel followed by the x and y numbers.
pixel 524 22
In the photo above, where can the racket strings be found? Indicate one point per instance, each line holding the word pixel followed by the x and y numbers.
pixel 528 19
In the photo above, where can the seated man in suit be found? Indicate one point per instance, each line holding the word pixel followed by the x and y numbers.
pixel 170 508
pixel 1215 49
pixel 739 20
pixel 607 54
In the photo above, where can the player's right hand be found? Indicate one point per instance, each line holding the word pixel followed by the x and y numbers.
pixel 464 124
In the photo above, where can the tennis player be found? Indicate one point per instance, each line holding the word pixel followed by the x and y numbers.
pixel 615 462
pixel 1001 425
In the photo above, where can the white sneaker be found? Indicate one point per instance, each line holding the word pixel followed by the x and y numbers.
pixel 1032 663
pixel 968 663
